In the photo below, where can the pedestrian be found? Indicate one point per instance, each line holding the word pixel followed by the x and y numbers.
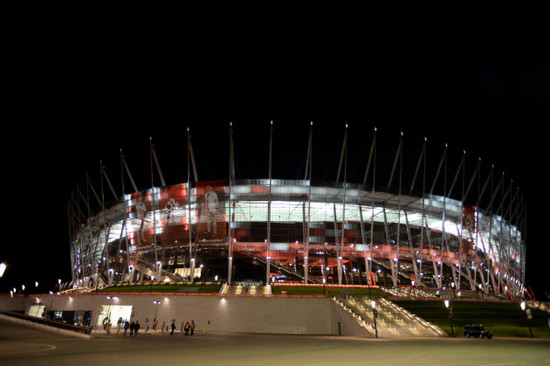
pixel 136 327
pixel 192 326
pixel 187 326
pixel 132 327
pixel 173 327
pixel 126 326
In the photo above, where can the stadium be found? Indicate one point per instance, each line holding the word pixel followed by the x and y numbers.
pixel 455 230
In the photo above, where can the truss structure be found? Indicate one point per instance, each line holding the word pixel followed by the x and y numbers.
pixel 311 232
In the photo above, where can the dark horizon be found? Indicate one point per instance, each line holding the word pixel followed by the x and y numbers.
pixel 481 89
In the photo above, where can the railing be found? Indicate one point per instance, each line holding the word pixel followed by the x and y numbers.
pixel 367 326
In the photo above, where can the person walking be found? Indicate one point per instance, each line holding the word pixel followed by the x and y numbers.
pixel 126 326
pixel 187 326
pixel 136 327
pixel 132 327
pixel 173 327
pixel 192 326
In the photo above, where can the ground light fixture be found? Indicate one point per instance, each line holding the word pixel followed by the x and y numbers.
pixel 528 314
pixel 374 316
pixel 450 308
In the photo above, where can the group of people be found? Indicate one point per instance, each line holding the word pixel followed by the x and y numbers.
pixel 187 328
pixel 133 326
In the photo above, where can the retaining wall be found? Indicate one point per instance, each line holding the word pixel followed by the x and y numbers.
pixel 247 314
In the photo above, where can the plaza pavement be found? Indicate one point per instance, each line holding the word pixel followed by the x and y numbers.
pixel 20 345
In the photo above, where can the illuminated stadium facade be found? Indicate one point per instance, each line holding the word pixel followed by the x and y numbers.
pixel 269 230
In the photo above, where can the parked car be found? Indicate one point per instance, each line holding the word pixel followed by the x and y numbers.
pixel 476 331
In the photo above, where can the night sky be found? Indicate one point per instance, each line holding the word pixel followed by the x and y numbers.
pixel 76 98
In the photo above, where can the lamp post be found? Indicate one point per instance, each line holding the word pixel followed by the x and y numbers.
pixel 323 274
pixel 529 316
pixel 447 305
pixel 156 302
pixel 374 316
pixel 50 315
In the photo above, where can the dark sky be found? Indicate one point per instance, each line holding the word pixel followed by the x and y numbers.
pixel 77 97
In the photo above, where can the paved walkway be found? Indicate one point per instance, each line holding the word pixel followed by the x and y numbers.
pixel 26 346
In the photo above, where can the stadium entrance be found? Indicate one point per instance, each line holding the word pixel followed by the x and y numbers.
pixel 113 314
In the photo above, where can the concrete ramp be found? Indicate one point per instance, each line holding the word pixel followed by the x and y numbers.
pixel 46 325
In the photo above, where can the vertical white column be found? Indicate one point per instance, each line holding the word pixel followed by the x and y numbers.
pixel 268 249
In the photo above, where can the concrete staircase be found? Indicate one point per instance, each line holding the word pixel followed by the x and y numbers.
pixel 148 270
pixel 348 323
pixel 246 290
pixel 392 321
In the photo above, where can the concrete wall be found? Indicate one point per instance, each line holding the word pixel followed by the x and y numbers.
pixel 271 314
